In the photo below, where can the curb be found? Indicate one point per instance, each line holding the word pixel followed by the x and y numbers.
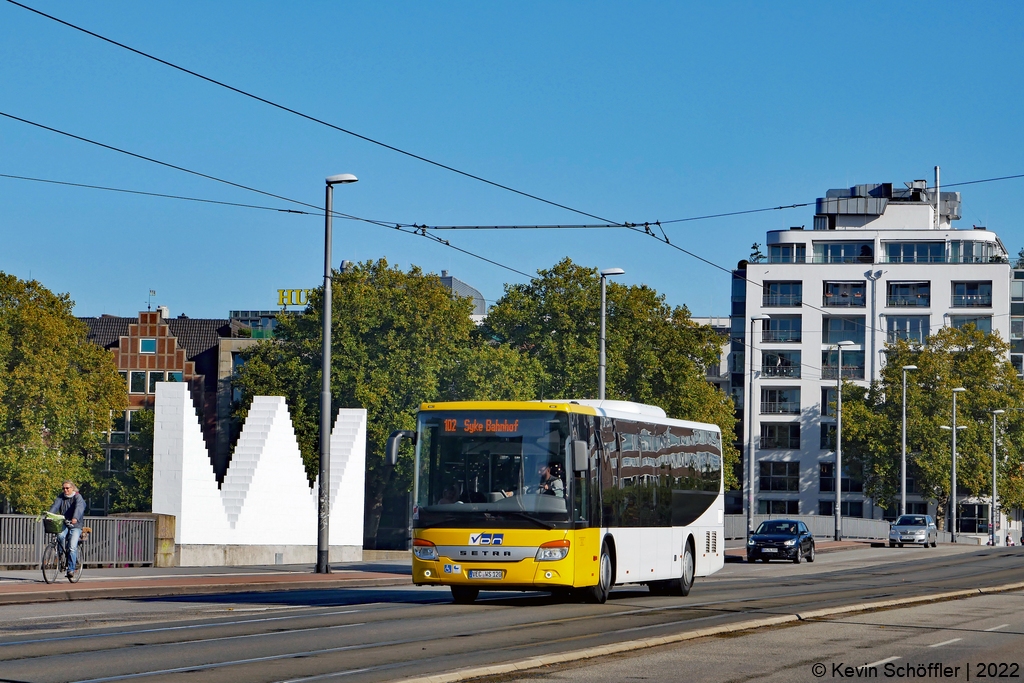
pixel 631 645
pixel 201 589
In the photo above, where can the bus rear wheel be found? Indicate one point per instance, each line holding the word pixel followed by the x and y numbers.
pixel 464 595
pixel 599 593
pixel 684 583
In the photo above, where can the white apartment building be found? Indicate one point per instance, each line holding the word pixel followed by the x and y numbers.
pixel 877 265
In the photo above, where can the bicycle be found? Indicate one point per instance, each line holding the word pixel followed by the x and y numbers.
pixel 55 560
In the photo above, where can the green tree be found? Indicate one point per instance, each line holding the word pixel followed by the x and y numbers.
pixel 132 489
pixel 57 391
pixel 965 357
pixel 655 353
pixel 399 339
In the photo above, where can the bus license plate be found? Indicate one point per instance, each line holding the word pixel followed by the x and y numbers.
pixel 769 550
pixel 486 573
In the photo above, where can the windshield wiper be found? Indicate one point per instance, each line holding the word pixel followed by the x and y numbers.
pixel 526 517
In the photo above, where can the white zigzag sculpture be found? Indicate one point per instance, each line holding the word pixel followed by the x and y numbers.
pixel 265 509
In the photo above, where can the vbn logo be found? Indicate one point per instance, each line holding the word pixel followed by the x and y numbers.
pixel 483 538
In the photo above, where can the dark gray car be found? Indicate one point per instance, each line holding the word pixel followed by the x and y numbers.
pixel 913 529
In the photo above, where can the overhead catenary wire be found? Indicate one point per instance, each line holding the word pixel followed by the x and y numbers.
pixel 308 117
pixel 391 225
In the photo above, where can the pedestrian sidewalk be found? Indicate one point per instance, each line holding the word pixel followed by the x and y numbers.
pixel 22 586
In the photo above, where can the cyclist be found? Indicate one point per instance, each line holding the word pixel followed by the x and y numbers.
pixel 70 504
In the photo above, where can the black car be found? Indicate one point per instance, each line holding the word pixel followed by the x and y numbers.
pixel 781 539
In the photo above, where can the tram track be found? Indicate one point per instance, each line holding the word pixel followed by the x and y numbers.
pixel 384 639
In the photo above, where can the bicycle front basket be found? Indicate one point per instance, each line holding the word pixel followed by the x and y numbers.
pixel 53 523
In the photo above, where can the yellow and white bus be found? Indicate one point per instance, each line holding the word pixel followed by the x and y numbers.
pixel 563 496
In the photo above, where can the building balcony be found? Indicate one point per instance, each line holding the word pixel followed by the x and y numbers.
pixel 786 443
pixel 780 371
pixel 855 301
pixel 908 300
pixel 785 336
pixel 971 301
pixel 777 300
pixel 849 372
pixel 780 408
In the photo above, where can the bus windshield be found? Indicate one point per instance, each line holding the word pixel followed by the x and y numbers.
pixel 479 466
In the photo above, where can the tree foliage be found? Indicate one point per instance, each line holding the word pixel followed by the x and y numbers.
pixel 56 393
pixel 968 358
pixel 399 339
pixel 655 353
pixel 132 489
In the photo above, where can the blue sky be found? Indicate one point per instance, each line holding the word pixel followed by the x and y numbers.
pixel 634 112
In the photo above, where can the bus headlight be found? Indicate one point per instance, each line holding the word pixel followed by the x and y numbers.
pixel 424 550
pixel 552 550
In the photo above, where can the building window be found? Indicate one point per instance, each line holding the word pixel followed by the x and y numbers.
pixel 838 329
pixel 1018 363
pixel 787 253
pixel 972 519
pixel 155 377
pixel 134 425
pixel 982 322
pixel 828 401
pixel 778 507
pixel 779 476
pixel 782 294
pixel 971 251
pixel 782 329
pixel 853 477
pixel 175 377
pixel 844 252
pixel 844 294
pixel 913 328
pixel 1017 290
pixel 853 364
pixel 138 382
pixel 147 346
pixel 849 508
pixel 780 364
pixel 915 252
pixel 968 294
pixel 775 435
pixel 828 438
pixel 777 401
pixel 902 294
pixel 117 460
pixel 117 428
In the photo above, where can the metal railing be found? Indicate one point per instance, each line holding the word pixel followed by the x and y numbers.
pixel 971 300
pixel 907 300
pixel 782 300
pixel 840 301
pixel 780 335
pixel 780 407
pixel 780 371
pixel 114 540
pixel 849 371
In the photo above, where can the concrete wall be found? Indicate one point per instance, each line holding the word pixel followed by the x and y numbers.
pixel 265 511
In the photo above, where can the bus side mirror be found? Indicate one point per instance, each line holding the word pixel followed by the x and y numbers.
pixel 394 441
pixel 580 459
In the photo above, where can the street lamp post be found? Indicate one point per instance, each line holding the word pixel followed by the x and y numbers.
pixel 839 439
pixel 750 422
pixel 605 274
pixel 952 493
pixel 903 458
pixel 993 507
pixel 323 565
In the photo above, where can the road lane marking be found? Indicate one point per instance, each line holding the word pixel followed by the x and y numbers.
pixel 996 628
pixel 945 642
pixel 880 662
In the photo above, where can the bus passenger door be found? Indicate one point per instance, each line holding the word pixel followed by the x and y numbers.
pixel 585 499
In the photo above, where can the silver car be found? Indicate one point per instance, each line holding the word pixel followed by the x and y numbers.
pixel 913 529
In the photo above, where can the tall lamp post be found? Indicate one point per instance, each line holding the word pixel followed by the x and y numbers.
pixel 605 274
pixel 992 508
pixel 750 422
pixel 839 439
pixel 903 457
pixel 952 492
pixel 323 565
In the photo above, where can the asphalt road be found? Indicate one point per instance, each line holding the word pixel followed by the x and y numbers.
pixel 386 634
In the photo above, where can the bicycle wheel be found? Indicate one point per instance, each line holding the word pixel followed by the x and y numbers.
pixel 80 564
pixel 51 563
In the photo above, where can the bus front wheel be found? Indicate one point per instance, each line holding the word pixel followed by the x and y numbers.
pixel 684 583
pixel 464 595
pixel 599 593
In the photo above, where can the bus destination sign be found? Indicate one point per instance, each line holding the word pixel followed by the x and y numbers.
pixel 475 426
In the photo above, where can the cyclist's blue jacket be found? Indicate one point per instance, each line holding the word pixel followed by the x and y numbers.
pixel 71 508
